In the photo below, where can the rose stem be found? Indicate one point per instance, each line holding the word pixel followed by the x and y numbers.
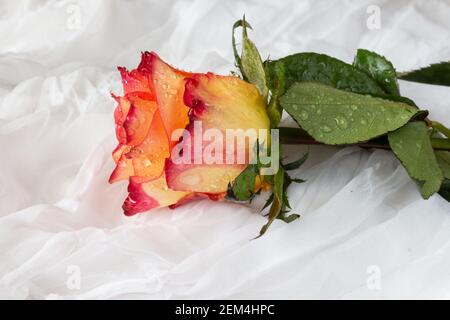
pixel 441 128
pixel 299 136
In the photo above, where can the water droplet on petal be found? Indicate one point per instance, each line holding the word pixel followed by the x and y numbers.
pixel 147 162
pixel 190 180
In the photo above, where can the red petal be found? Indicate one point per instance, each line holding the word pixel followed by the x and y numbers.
pixel 135 81
pixel 138 200
pixel 150 195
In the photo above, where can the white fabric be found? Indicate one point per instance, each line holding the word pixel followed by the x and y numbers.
pixel 365 232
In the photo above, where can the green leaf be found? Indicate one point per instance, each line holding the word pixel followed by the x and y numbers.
pixel 394 98
pixel 268 202
pixel 277 203
pixel 420 115
pixel 290 218
pixel 244 185
pixel 279 199
pixel 286 207
pixel 237 57
pixel 274 110
pixel 296 164
pixel 333 116
pixel 438 73
pixel 443 159
pixel 411 144
pixel 250 62
pixel 283 73
pixel 379 68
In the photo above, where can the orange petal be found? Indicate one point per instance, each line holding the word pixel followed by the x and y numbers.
pixel 120 114
pixel 143 140
pixel 139 118
pixel 134 117
pixel 150 195
pixel 148 157
pixel 169 86
pixel 123 170
pixel 145 161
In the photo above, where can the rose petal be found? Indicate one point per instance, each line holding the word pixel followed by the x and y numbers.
pixel 148 158
pixel 134 116
pixel 225 102
pixel 201 178
pixel 150 195
pixel 139 118
pixel 120 114
pixel 194 196
pixel 135 81
pixel 169 86
pixel 218 103
pixel 123 170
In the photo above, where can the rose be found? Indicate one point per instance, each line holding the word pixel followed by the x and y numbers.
pixel 160 100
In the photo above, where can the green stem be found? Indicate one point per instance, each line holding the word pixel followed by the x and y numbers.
pixel 441 128
pixel 440 144
pixel 300 136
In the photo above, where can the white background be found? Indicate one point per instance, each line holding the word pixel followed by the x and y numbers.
pixel 365 232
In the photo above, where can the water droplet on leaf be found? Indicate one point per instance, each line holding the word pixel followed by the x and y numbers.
pixel 304 115
pixel 341 121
